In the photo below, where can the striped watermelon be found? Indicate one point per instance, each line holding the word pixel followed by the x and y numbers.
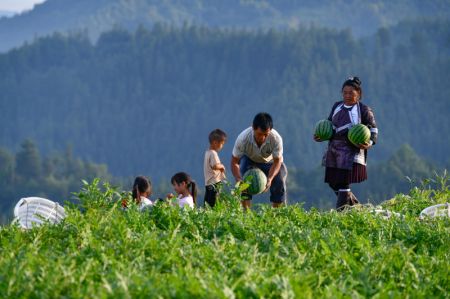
pixel 257 180
pixel 359 134
pixel 324 129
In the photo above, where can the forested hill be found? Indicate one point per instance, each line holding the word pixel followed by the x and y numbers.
pixel 144 102
pixel 363 17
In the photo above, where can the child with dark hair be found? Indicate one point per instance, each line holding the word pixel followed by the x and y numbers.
pixel 142 189
pixel 213 169
pixel 185 188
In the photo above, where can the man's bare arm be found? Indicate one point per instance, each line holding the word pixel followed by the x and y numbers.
pixel 235 169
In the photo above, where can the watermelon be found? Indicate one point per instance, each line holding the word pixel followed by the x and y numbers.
pixel 359 134
pixel 257 180
pixel 324 129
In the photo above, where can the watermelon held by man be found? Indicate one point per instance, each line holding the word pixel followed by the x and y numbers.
pixel 359 134
pixel 257 180
pixel 324 129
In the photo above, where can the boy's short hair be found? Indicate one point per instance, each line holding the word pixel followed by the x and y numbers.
pixel 217 135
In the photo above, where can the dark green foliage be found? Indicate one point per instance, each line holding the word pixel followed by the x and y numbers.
pixel 140 96
pixel 54 177
pixel 96 17
pixel 28 163
pixel 403 170
pixel 144 102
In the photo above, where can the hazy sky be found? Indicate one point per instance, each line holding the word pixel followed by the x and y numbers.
pixel 18 5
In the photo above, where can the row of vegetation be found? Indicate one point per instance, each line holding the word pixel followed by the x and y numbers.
pixel 99 250
pixel 56 176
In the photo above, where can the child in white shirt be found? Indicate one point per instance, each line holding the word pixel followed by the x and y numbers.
pixel 185 188
pixel 142 189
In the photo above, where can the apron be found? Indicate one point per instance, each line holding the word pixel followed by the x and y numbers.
pixel 341 153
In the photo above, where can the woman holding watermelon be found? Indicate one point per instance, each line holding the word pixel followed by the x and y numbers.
pixel 345 161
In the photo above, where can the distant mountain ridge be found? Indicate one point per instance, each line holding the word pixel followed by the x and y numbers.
pixel 102 15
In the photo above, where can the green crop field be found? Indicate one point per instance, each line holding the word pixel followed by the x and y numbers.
pixel 101 251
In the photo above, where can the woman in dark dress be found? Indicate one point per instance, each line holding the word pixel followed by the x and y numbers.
pixel 346 163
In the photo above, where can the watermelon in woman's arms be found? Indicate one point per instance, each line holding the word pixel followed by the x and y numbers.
pixel 324 129
pixel 359 134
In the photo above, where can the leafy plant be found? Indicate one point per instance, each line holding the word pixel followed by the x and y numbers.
pixel 105 251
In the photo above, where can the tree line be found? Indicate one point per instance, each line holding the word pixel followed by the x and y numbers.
pixel 143 102
pixel 57 176
pixel 27 173
pixel 99 16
